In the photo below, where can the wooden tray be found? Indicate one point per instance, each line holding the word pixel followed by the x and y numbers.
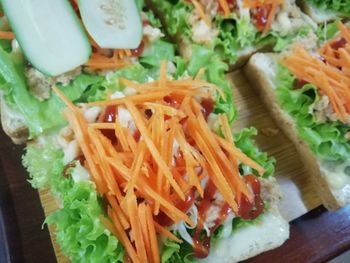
pixel 315 237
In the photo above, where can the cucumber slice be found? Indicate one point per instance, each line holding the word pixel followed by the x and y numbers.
pixel 112 23
pixel 49 33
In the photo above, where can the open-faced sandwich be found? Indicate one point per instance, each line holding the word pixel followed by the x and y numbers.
pixel 234 29
pixel 149 171
pixel 138 154
pixel 322 11
pixel 308 91
pixel 45 44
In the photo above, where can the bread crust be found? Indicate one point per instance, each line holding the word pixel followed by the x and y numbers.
pixel 12 124
pixel 263 85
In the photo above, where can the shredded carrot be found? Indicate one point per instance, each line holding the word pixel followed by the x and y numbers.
pixel 331 76
pixel 164 232
pixel 6 35
pixel 105 221
pixel 136 226
pixel 123 238
pixel 139 98
pixel 224 5
pixel 149 169
pixel 162 165
pixel 119 212
pixel 144 229
pixel 152 235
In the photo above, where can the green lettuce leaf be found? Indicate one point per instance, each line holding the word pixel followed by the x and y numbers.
pixel 160 50
pixel 79 231
pixel 326 139
pixel 235 34
pixel 44 164
pixel 338 6
pixel 215 73
pixel 246 144
pixel 39 116
pixel 175 15
pixel 175 253
pixel 327 31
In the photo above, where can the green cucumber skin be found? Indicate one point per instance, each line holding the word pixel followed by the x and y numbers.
pixel 84 11
pixel 20 40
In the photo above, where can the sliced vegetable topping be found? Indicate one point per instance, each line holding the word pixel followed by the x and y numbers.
pixel 329 71
pixel 109 58
pixel 153 166
pixel 112 24
pixel 49 34
pixel 263 12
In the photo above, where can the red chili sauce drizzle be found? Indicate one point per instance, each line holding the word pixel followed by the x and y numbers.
pixel 339 43
pixel 137 52
pixel 207 107
pixel 260 16
pixel 299 83
pixel 164 220
pixel 109 116
pixel 247 211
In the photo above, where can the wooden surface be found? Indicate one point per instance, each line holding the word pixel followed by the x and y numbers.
pixel 21 214
pixel 315 237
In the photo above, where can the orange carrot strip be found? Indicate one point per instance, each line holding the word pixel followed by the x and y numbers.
pixel 166 233
pixel 119 133
pixel 118 211
pixel 155 153
pixel 123 238
pixel 6 35
pixel 169 209
pixel 139 98
pixel 162 74
pixel 152 235
pixel 136 226
pixel 225 7
pixel 144 229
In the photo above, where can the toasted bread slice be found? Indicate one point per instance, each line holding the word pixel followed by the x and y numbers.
pixel 250 240
pixel 261 70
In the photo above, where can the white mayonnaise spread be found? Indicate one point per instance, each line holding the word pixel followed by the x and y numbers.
pixel 250 240
pixel 338 178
